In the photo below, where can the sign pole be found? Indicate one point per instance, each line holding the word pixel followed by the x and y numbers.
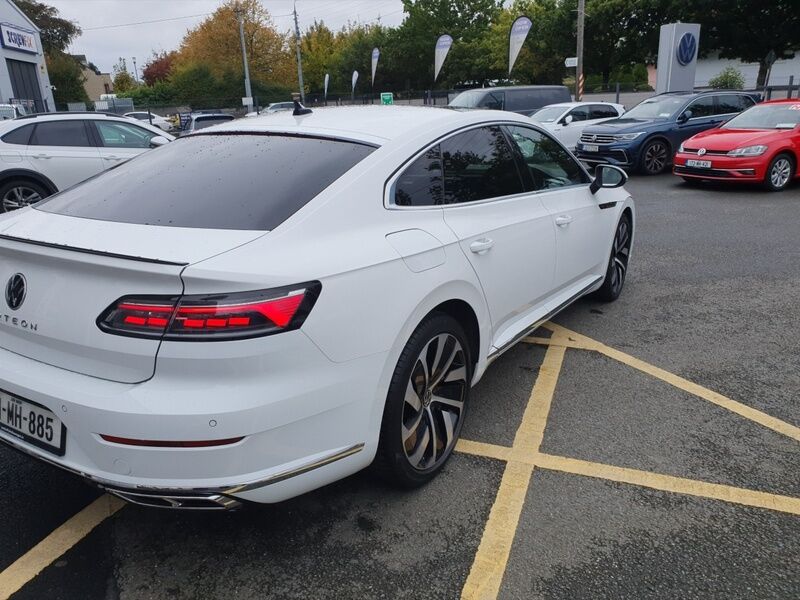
pixel 579 69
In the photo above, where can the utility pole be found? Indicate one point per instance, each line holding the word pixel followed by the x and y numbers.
pixel 247 91
pixel 135 71
pixel 299 60
pixel 579 70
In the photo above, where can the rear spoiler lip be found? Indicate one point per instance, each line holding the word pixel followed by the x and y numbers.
pixel 156 261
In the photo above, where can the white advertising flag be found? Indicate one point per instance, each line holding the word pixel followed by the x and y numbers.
pixel 442 48
pixel 376 54
pixel 516 37
pixel 327 79
pixel 355 78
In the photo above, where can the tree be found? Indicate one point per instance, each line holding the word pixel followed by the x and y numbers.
pixel 320 48
pixel 56 33
pixel 159 67
pixel 123 80
pixel 749 29
pixel 67 78
pixel 215 43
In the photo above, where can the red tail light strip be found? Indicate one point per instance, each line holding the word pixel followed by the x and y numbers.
pixel 170 444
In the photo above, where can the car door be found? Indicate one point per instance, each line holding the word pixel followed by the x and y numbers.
pixel 703 116
pixel 63 151
pixel 120 141
pixel 570 132
pixel 578 222
pixel 503 230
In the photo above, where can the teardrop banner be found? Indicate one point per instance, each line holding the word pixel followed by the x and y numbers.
pixel 376 54
pixel 440 53
pixel 516 37
pixel 355 78
pixel 327 80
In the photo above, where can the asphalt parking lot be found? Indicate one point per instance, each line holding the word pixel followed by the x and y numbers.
pixel 643 449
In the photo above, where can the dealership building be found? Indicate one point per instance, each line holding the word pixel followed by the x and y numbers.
pixel 23 73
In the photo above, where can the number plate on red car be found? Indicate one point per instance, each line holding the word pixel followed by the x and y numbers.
pixel 32 422
pixel 698 164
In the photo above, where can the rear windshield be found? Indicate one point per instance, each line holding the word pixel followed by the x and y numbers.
pixel 219 181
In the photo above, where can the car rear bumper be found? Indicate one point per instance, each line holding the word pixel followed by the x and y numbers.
pixel 303 421
pixel 722 168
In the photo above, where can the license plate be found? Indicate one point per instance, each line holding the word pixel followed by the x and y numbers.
pixel 33 423
pixel 699 164
pixel 591 148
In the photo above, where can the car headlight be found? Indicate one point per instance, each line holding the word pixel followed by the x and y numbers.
pixel 680 148
pixel 748 151
pixel 628 136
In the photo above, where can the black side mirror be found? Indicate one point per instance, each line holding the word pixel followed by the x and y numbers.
pixel 609 177
pixel 685 116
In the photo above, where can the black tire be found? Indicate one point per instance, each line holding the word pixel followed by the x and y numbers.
pixel 655 157
pixel 617 268
pixel 17 193
pixel 408 432
pixel 780 173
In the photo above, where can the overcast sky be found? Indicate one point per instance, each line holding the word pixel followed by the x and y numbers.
pixel 103 43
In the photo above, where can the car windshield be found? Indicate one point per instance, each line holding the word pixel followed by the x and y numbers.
pixel 548 114
pixel 767 116
pixel 660 107
pixel 477 99
pixel 236 181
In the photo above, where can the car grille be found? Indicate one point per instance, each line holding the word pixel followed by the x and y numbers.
pixel 708 152
pixel 681 170
pixel 597 138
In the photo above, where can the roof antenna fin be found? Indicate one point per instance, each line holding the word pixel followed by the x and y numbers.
pixel 299 109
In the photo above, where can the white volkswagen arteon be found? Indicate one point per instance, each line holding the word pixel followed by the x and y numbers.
pixel 267 306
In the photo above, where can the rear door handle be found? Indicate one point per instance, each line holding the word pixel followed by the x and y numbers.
pixel 41 156
pixel 481 246
pixel 112 157
pixel 563 220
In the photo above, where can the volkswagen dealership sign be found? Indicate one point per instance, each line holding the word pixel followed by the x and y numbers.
pixel 677 57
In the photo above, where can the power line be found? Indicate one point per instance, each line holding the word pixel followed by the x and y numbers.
pixel 144 22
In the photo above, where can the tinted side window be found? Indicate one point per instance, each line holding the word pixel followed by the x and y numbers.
pixel 421 182
pixel 702 107
pixel 478 164
pixel 122 135
pixel 19 136
pixel 747 102
pixel 601 111
pixel 550 166
pixel 60 133
pixel 580 113
pixel 211 181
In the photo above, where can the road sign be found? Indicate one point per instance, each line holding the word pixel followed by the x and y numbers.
pixel 387 98
pixel 247 101
pixel 571 62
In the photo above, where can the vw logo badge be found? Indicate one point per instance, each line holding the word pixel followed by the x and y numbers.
pixel 701 152
pixel 594 137
pixel 15 291
pixel 687 48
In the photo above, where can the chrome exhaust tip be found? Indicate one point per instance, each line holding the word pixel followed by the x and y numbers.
pixel 178 501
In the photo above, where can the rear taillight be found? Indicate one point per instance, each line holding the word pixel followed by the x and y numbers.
pixel 211 317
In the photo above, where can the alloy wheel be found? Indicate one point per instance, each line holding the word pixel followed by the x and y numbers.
pixel 434 402
pixel 620 252
pixel 19 196
pixel 655 158
pixel 780 173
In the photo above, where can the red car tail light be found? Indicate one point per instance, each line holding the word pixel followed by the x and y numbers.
pixel 211 317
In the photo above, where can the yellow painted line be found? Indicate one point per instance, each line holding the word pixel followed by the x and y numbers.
pixel 486 574
pixel 679 382
pixel 483 449
pixel 489 565
pixel 669 483
pixel 29 565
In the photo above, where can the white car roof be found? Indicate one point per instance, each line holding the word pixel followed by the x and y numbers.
pixel 574 104
pixel 72 116
pixel 371 124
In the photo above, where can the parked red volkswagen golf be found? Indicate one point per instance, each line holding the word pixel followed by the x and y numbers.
pixel 762 144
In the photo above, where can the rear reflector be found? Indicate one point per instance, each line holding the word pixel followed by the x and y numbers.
pixel 213 317
pixel 170 444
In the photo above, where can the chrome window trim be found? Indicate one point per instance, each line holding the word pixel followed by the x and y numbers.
pixel 389 185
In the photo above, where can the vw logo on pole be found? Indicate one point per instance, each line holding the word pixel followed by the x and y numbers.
pixel 15 291
pixel 686 50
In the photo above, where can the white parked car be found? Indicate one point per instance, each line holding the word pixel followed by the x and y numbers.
pixel 162 123
pixel 272 108
pixel 308 296
pixel 567 120
pixel 49 152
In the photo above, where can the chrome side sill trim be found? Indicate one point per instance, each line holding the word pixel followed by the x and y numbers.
pixel 496 352
pixel 121 490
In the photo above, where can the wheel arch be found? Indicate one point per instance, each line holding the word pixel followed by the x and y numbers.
pixel 11 174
